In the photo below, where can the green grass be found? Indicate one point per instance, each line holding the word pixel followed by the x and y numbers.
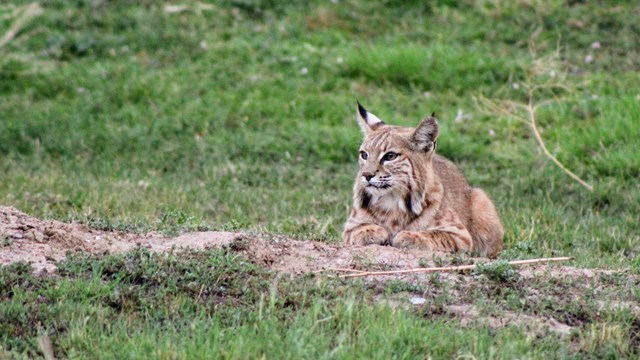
pixel 124 116
pixel 215 304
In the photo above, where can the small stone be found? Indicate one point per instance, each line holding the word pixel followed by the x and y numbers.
pixel 18 236
pixel 38 236
pixel 418 300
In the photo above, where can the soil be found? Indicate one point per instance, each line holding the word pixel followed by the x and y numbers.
pixel 45 242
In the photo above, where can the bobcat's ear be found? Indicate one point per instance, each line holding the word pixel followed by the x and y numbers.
pixel 367 121
pixel 425 135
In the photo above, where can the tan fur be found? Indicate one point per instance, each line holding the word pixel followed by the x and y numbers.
pixel 417 199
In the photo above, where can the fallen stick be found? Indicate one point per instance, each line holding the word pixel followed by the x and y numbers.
pixel 451 268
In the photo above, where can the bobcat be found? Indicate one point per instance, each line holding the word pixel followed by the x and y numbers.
pixel 406 196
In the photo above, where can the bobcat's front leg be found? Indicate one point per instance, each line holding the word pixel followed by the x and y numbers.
pixel 435 240
pixel 366 234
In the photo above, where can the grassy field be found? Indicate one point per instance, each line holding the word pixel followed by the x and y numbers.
pixel 241 115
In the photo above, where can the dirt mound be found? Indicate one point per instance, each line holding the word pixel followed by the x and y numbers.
pixel 44 242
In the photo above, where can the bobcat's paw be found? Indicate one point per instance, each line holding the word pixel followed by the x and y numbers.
pixel 369 235
pixel 407 239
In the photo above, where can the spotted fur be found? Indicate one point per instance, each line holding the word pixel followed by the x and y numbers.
pixel 407 196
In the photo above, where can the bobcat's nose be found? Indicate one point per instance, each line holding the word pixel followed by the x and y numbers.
pixel 368 176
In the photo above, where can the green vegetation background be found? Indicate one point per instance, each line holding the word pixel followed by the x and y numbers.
pixel 240 115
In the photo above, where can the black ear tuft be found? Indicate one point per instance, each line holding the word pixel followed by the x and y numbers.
pixel 433 114
pixel 362 110
pixel 368 122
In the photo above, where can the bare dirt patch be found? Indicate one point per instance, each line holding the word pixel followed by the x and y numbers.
pixel 44 242
pixel 469 314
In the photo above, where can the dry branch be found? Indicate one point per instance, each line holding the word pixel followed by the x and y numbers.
pixel 449 268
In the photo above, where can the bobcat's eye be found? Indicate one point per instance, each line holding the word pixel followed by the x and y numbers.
pixel 364 155
pixel 389 156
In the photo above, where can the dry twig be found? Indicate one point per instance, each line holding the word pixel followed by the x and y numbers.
pixel 448 268
pixel 341 269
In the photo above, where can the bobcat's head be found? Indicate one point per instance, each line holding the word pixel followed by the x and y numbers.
pixel 395 162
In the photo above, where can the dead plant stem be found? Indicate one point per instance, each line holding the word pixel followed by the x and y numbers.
pixel 450 268
pixel 531 110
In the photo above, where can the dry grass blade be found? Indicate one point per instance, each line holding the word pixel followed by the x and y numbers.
pixel 508 107
pixel 453 268
pixel 532 121
pixel 28 13
pixel 543 73
pixel 44 343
